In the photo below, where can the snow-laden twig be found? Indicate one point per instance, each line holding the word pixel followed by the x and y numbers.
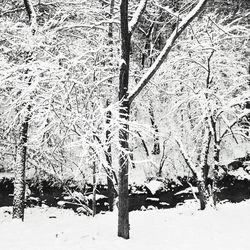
pixel 167 9
pixel 193 192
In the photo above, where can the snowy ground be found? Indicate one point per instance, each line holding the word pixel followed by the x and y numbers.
pixel 183 227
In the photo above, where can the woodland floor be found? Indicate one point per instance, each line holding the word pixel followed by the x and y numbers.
pixel 184 227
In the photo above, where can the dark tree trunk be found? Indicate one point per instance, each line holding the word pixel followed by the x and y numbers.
pixel 163 158
pixel 216 156
pixel 111 193
pixel 19 172
pixel 216 172
pixel 145 61
pixel 205 193
pixel 144 144
pixel 111 176
pixel 156 148
pixel 94 190
pixel 123 213
pixel 110 180
pixel 202 193
pixel 202 180
pixel 29 8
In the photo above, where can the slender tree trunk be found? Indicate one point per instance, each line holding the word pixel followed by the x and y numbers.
pixel 94 190
pixel 123 212
pixel 111 174
pixel 19 172
pixel 146 61
pixel 205 192
pixel 144 144
pixel 111 193
pixel 203 195
pixel 156 148
pixel 19 169
pixel 216 172
pixel 216 156
pixel 163 158
pixel 202 176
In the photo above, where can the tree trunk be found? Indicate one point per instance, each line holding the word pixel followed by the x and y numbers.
pixel 31 15
pixel 216 156
pixel 163 159
pixel 156 148
pixel 19 172
pixel 123 213
pixel 94 190
pixel 110 173
pixel 216 172
pixel 19 169
pixel 111 193
pixel 203 195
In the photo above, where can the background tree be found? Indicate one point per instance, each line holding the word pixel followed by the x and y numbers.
pixel 21 148
pixel 198 88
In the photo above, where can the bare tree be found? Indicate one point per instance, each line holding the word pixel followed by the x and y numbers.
pixel 21 152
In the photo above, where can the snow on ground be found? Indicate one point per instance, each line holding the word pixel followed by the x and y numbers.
pixel 179 228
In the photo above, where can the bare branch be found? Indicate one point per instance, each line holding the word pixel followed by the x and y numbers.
pixel 167 9
pixel 186 157
pixel 143 144
pixel 229 126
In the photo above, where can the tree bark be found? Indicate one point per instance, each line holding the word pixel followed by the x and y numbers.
pixel 216 172
pixel 124 112
pixel 203 197
pixel 204 190
pixel 123 213
pixel 19 172
pixel 156 147
pixel 110 173
pixel 216 158
pixel 31 14
pixel 94 190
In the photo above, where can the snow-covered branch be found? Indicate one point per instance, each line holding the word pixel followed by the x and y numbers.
pixel 97 25
pixel 135 19
pixel 186 157
pixel 233 123
pixel 167 9
pixel 167 48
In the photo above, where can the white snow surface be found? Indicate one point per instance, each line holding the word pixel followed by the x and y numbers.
pixel 188 190
pixel 183 227
pixel 154 186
